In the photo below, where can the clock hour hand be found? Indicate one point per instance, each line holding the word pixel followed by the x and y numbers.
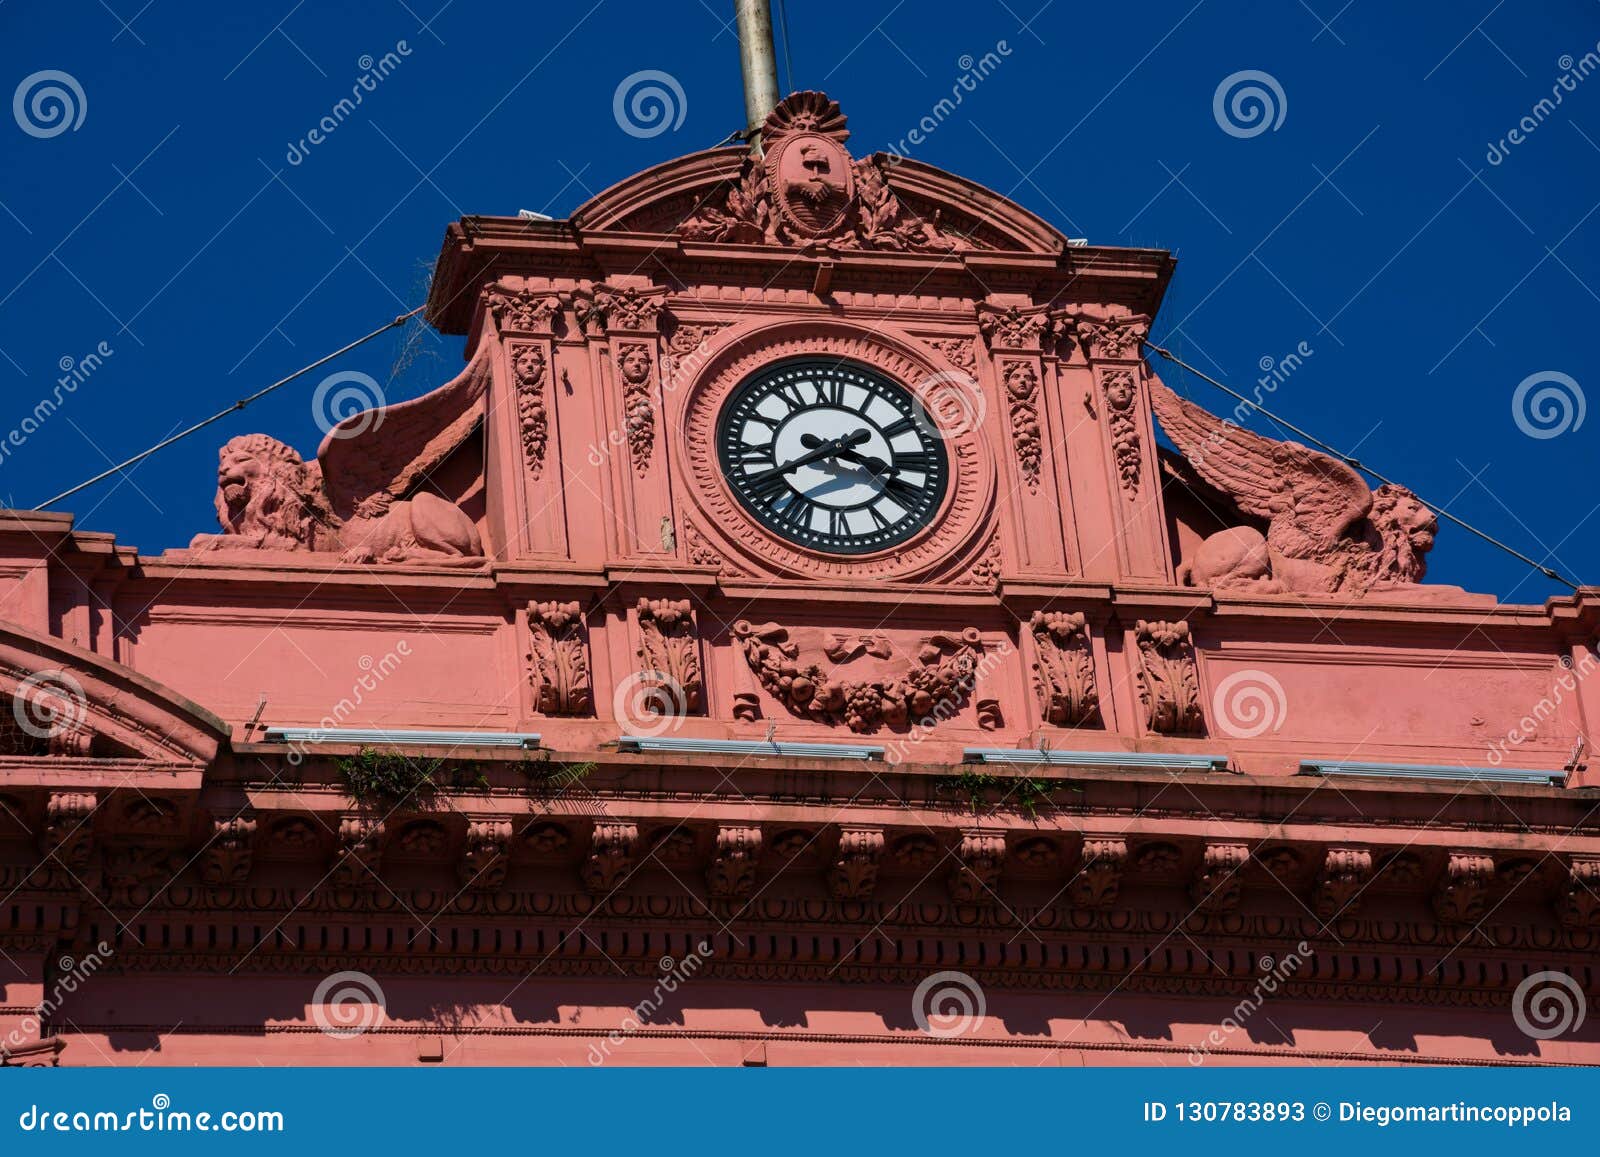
pixel 873 465
pixel 817 450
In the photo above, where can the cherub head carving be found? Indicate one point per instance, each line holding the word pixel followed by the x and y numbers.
pixel 635 364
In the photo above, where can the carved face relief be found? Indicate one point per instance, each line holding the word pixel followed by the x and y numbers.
pixel 833 456
pixel 813 181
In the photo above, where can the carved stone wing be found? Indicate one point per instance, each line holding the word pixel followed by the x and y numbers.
pixel 392 449
pixel 1310 498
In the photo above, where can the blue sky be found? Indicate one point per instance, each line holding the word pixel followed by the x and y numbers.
pixel 1369 223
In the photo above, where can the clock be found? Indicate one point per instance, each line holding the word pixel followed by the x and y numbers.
pixel 832 455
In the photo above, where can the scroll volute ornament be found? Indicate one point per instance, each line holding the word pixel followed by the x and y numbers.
pixel 1169 681
pixel 521 309
pixel 1116 339
pixel 1064 669
pixel 559 659
pixel 885 689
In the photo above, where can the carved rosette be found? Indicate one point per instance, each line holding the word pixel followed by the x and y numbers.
pixel 981 855
pixel 1116 339
pixel 227 859
pixel 636 370
pixel 1169 682
pixel 530 368
pixel 1345 873
pixel 669 652
pixel 357 853
pixel 854 875
pixel 1064 669
pixel 807 187
pixel 486 857
pixel 1217 883
pixel 934 685
pixel 732 874
pixel 1021 382
pixel 1579 903
pixel 1464 888
pixel 1099 875
pixel 521 309
pixel 559 659
pixel 1120 390
pixel 613 851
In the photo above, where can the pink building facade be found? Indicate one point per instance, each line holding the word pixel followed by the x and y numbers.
pixel 897 697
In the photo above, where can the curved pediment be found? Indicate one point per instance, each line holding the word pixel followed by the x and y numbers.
pixel 59 699
pixel 805 189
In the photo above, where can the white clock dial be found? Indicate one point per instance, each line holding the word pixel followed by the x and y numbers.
pixel 833 456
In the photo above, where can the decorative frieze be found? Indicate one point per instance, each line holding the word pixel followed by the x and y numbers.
pixel 930 686
pixel 1063 669
pixel 669 651
pixel 228 857
pixel 854 874
pixel 732 874
pixel 1463 888
pixel 1021 381
pixel 1345 873
pixel 980 856
pixel 1120 390
pixel 1099 875
pixel 613 851
pixel 1218 881
pixel 559 659
pixel 521 310
pixel 1169 681
pixel 1579 902
pixel 1117 339
pixel 530 368
pixel 486 858
pixel 635 368
pixel 1013 328
pixel 357 852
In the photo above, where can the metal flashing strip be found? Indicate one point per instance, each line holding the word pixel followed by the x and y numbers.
pixel 377 736
pixel 1125 760
pixel 1453 772
pixel 681 746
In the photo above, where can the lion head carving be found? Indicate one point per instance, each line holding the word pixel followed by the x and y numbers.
pixel 267 497
pixel 1406 531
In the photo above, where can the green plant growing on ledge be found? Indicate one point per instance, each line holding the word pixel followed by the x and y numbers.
pixel 388 777
pixel 1024 793
pixel 548 779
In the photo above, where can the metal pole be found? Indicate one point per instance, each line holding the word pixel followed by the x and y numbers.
pixel 758 63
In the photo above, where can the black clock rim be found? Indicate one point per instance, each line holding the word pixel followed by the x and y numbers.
pixel 934 440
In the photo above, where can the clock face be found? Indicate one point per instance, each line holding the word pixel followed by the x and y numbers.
pixel 833 456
